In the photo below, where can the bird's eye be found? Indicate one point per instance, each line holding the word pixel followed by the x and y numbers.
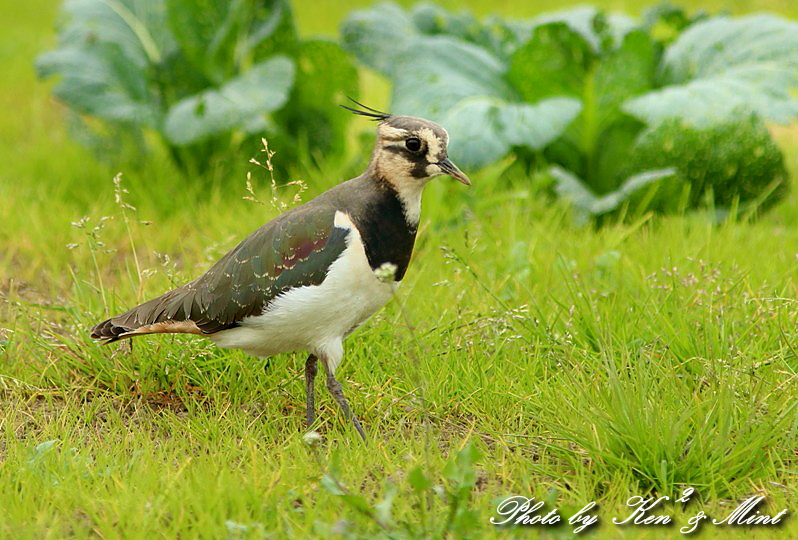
pixel 413 144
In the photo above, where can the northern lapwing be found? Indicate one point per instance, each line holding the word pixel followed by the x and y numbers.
pixel 308 278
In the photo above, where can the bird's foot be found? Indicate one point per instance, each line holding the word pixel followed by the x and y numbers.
pixel 338 393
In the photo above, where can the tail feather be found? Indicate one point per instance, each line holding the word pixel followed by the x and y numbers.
pixel 108 330
pixel 164 314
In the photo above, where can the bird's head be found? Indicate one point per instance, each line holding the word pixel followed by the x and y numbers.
pixel 409 150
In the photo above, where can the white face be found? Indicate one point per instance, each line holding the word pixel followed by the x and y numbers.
pixel 434 144
pixel 411 153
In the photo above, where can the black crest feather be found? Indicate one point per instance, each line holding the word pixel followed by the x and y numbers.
pixel 366 111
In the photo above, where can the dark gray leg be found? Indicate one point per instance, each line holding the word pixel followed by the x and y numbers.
pixel 338 393
pixel 311 368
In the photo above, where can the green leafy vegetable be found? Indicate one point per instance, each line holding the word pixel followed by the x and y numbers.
pixel 199 72
pixel 735 161
pixel 324 76
pixel 589 204
pixel 720 64
pixel 596 94
pixel 263 88
pixel 455 81
pixel 599 30
pixel 487 128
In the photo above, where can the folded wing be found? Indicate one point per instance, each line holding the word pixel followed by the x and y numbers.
pixel 294 250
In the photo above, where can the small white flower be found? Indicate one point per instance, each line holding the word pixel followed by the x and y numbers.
pixel 81 222
pixel 386 272
pixel 312 438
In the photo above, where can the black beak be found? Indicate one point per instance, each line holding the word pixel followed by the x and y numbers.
pixel 451 169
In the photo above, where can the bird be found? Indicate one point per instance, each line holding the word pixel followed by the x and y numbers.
pixel 308 278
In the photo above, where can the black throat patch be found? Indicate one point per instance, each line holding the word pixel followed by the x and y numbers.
pixel 386 234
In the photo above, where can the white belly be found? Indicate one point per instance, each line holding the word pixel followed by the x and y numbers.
pixel 317 317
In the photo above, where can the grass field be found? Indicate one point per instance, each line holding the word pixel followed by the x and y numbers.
pixel 560 362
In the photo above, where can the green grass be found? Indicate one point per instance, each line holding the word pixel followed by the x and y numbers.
pixel 581 364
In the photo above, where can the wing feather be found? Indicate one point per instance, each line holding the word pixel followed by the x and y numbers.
pixel 294 250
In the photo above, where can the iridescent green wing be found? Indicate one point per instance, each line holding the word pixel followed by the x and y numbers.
pixel 294 250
